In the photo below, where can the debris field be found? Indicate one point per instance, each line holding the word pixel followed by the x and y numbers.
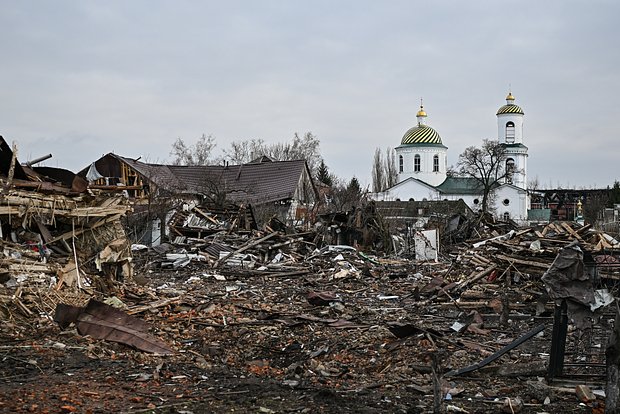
pixel 272 321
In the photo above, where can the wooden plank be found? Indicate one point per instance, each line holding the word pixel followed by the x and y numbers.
pixel 207 216
pixel 157 304
pixel 34 268
pixel 571 231
pixel 245 247
pixel 585 228
pixel 524 262
pixel 70 234
pixel 475 277
pixel 603 242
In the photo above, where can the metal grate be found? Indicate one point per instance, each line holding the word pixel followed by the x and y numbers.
pixel 579 353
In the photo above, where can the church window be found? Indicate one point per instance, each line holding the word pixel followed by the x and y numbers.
pixel 510 168
pixel 416 163
pixel 436 163
pixel 506 201
pixel 400 163
pixel 506 216
pixel 476 201
pixel 510 132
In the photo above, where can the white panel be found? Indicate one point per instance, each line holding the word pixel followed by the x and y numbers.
pixel 426 245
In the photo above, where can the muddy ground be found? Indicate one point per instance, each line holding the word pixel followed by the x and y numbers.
pixel 252 343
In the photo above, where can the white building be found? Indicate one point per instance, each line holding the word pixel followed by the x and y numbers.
pixel 422 161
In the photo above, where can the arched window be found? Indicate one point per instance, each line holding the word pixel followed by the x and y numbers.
pixel 436 163
pixel 416 163
pixel 510 132
pixel 506 216
pixel 510 169
pixel 401 163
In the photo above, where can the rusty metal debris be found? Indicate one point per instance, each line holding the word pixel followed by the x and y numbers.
pixel 103 321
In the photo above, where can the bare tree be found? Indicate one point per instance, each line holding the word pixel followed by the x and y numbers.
pixel 378 180
pixel 391 174
pixel 197 154
pixel 384 173
pixel 533 184
pixel 242 152
pixel 487 166
pixel 301 147
pixel 593 210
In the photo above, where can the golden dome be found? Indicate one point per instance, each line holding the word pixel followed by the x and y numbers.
pixel 510 97
pixel 421 111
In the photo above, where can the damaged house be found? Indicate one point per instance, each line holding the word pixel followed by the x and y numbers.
pixel 281 189
pixel 51 225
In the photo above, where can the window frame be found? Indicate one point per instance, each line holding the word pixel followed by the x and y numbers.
pixel 417 163
pixel 510 132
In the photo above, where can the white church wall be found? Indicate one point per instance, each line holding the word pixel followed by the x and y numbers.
pixel 407 190
pixel 512 201
pixel 426 172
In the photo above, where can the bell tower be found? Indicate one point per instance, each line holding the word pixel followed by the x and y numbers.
pixel 510 134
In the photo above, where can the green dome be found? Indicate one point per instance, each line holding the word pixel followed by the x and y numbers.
pixel 421 134
pixel 510 109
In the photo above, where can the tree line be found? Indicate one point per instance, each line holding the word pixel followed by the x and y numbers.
pixel 486 164
pixel 340 193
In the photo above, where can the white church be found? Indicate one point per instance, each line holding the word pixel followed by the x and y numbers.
pixel 422 163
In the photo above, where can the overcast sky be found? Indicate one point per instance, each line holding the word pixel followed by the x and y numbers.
pixel 79 79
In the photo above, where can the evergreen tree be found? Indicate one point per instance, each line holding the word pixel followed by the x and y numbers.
pixel 323 175
pixel 354 188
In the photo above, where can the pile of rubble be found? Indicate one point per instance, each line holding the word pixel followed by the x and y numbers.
pixel 275 321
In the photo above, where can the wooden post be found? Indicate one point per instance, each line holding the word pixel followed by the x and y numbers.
pixel 11 173
pixel 437 391
pixel 558 340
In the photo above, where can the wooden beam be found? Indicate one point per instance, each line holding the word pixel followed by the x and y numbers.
pixel 243 248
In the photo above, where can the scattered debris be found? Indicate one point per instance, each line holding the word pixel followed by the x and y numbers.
pixel 343 315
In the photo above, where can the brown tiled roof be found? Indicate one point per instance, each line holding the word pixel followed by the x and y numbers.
pixel 259 182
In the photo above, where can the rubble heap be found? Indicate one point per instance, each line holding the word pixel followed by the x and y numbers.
pixel 262 320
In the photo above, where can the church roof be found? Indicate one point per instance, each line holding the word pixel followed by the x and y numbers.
pixel 510 109
pixel 466 186
pixel 460 185
pixel 421 134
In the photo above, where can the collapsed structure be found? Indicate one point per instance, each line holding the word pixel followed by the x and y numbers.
pixel 51 224
pixel 282 189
